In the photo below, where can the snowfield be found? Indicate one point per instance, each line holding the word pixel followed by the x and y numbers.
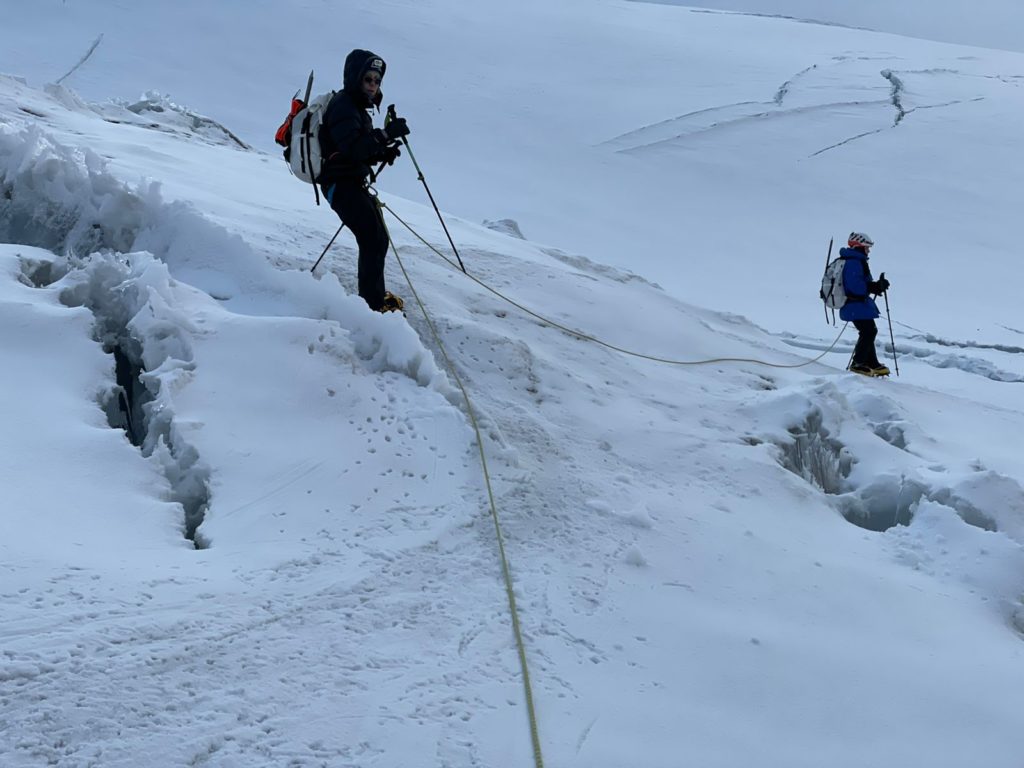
pixel 250 523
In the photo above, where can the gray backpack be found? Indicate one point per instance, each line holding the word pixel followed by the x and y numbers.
pixel 832 291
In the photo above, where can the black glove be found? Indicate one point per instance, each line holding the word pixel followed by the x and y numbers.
pixel 396 128
pixel 390 154
pixel 881 285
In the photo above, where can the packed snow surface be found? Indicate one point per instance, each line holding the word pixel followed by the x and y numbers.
pixel 249 522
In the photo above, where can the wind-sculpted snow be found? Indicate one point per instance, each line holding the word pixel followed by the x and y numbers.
pixel 815 456
pixel 967 345
pixel 993 361
pixel 154 112
pixel 963 362
pixel 161 113
pixel 137 312
pixel 65 201
pixel 937 543
pixel 60 199
pixel 879 469
pixel 107 494
pixel 126 251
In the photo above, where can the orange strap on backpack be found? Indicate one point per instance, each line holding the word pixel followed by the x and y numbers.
pixel 284 133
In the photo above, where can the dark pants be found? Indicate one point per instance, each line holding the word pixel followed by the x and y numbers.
pixel 864 352
pixel 359 212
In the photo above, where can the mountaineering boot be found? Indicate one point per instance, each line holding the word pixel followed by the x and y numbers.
pixel 392 303
pixel 880 370
pixel 863 370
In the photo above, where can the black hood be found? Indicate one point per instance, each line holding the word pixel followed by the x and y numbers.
pixel 356 64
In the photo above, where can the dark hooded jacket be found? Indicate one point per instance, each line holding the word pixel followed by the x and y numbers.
pixel 349 143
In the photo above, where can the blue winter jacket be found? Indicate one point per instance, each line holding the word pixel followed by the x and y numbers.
pixel 856 276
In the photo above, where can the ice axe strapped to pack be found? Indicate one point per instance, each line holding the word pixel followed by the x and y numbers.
pixel 832 292
pixel 299 134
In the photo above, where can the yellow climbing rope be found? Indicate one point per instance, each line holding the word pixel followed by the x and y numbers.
pixel 594 339
pixel 505 568
pixel 449 364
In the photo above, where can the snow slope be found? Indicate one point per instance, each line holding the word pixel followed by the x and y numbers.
pixel 658 114
pixel 689 585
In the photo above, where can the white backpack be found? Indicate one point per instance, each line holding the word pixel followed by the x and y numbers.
pixel 299 134
pixel 303 150
pixel 832 291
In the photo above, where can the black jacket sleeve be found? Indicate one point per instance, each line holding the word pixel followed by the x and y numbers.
pixel 352 143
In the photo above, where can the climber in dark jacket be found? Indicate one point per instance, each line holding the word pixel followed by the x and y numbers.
pixel 350 146
pixel 860 307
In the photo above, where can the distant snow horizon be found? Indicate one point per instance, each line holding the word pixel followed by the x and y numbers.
pixel 982 23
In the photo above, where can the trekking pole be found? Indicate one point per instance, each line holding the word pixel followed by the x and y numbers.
pixel 828 258
pixel 405 141
pixel 895 362
pixel 374 174
pixel 324 252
